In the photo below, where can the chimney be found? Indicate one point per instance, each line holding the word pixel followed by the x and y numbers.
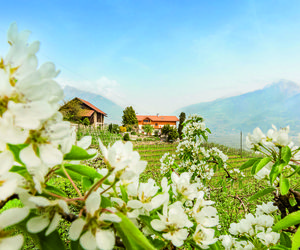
pixel 157 114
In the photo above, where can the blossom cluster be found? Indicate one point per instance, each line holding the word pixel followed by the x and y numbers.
pixel 196 159
pixel 180 205
pixel 273 139
pixel 33 135
pixel 255 230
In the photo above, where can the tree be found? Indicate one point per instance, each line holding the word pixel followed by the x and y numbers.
pixel 180 126
pixel 148 129
pixel 173 135
pixel 170 132
pixel 113 128
pixel 70 110
pixel 129 116
pixel 166 129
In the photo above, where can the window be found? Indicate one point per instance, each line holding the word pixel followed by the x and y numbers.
pixel 146 121
pixel 156 124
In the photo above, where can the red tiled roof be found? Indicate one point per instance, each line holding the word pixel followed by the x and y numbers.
pixel 86 112
pixel 156 118
pixel 92 106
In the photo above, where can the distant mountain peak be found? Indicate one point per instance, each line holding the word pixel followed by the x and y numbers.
pixel 276 103
pixel 284 85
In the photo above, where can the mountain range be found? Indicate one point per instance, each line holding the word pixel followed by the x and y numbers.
pixel 114 111
pixel 277 103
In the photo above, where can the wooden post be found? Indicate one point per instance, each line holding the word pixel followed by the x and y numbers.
pixel 241 144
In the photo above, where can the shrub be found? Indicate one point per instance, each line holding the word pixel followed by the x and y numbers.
pixel 126 137
pixel 173 135
pixel 133 133
pixel 113 128
pixel 86 122
pixel 128 128
pixel 156 133
pixel 122 129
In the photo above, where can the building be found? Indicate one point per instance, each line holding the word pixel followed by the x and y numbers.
pixel 157 121
pixel 88 110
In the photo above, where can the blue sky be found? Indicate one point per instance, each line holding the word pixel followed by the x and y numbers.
pixel 160 55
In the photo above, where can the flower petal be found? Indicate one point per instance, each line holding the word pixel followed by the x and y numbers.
pixel 12 243
pixel 37 224
pixel 13 216
pixel 54 224
pixel 88 241
pixel 105 239
pixel 76 228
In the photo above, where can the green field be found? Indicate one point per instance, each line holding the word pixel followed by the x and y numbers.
pixel 231 201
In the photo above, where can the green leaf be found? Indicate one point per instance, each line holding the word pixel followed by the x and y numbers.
pixel 86 183
pixel 78 153
pixel 124 193
pixel 105 202
pixel 55 190
pixel 286 154
pixel 249 163
pixel 292 201
pixel 280 247
pixel 275 171
pixel 284 185
pixel 75 176
pixel 76 172
pixel 21 170
pixel 15 149
pixel 216 246
pixel 253 170
pixel 285 240
pixel 75 245
pixel 288 221
pixel 158 244
pixel 261 193
pixel 84 170
pixel 132 237
pixel 296 240
pixel 296 168
pixel 263 162
pixel 50 242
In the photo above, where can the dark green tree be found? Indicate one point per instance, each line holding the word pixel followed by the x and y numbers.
pixel 173 135
pixel 129 116
pixel 166 129
pixel 180 126
pixel 114 128
pixel 170 132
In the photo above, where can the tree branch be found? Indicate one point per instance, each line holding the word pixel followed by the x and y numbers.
pixel 2 203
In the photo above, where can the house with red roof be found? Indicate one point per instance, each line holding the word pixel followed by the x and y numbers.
pixel 157 121
pixel 88 110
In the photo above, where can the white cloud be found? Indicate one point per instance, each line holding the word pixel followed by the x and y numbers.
pixel 103 86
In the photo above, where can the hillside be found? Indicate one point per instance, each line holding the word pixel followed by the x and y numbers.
pixel 277 104
pixel 114 112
